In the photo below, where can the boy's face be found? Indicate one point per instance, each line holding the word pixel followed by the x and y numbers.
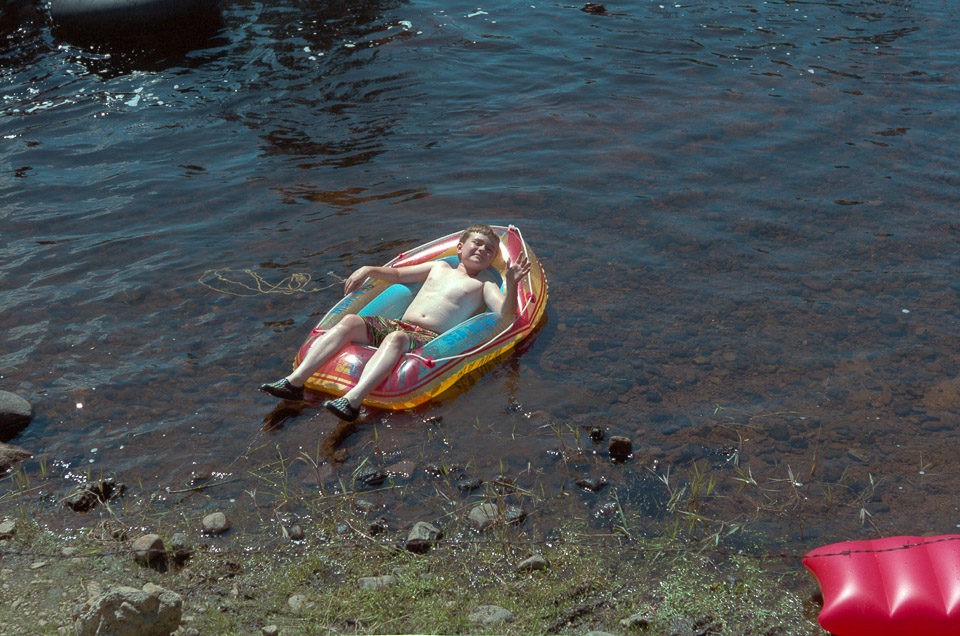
pixel 478 251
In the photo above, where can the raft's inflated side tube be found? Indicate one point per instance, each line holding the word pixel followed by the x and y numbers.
pixel 120 18
pixel 897 586
pixel 426 373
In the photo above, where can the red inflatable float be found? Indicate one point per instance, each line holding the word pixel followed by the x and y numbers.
pixel 898 586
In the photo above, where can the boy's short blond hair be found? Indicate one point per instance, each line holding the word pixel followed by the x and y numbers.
pixel 480 228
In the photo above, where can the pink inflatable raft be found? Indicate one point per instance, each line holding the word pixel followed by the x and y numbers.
pixel 427 372
pixel 898 586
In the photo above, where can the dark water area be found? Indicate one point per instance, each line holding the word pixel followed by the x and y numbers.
pixel 747 212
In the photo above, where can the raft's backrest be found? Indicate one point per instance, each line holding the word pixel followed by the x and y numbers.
pixel 393 301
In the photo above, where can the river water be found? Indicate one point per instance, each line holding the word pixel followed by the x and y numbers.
pixel 747 212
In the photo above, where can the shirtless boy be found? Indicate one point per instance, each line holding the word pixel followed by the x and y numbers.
pixel 448 297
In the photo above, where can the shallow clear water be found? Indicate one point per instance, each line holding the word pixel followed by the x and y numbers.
pixel 746 211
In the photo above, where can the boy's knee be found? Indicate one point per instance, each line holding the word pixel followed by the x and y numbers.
pixel 351 320
pixel 398 340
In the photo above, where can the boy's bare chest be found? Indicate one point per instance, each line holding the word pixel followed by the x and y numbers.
pixel 452 286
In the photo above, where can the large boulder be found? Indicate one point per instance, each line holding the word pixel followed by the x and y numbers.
pixel 127 611
pixel 15 414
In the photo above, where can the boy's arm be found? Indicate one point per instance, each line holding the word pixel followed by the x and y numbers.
pixel 506 303
pixel 408 274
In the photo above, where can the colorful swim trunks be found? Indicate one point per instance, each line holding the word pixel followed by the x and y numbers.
pixel 378 328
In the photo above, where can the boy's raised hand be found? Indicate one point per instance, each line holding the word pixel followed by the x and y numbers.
pixel 517 269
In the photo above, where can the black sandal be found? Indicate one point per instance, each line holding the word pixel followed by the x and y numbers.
pixel 342 409
pixel 283 389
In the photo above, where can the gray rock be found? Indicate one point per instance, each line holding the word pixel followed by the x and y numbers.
pixel 378 526
pixel 376 582
pixel 597 633
pixel 148 550
pixel 85 497
pixel 483 516
pixel 81 500
pixel 466 485
pixel 403 469
pixel 640 620
pixel 15 414
pixel 536 562
pixel 491 615
pixel 11 455
pixel 294 532
pixel 372 476
pixel 127 611
pixel 486 515
pixel 270 630
pixel 422 536
pixel 592 484
pixel 7 529
pixel 299 602
pixel 514 515
pixel 215 523
pixel 180 548
pixel 363 506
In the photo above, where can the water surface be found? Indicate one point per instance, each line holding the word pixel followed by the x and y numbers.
pixel 746 211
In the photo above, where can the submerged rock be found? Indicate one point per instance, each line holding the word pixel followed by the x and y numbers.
pixel 591 484
pixel 372 476
pixel 514 515
pixel 84 498
pixel 15 415
pixel 467 484
pixel 127 611
pixel 403 469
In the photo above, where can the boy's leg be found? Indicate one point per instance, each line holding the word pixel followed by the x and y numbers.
pixel 349 330
pixel 380 365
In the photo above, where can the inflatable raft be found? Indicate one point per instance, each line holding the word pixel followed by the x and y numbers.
pixel 425 373
pixel 896 586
